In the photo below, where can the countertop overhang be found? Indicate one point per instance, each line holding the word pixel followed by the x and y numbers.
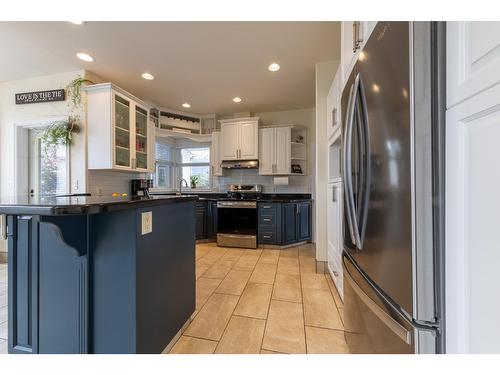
pixel 57 206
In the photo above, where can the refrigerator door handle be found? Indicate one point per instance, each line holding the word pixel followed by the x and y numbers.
pixel 403 333
pixel 349 196
pixel 366 162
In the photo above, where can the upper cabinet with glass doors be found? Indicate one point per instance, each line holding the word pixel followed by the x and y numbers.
pixel 119 133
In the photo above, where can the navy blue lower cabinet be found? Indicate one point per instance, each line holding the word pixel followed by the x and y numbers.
pixel 269 227
pixel 201 220
pixel 290 221
pixel 304 221
pixel 212 219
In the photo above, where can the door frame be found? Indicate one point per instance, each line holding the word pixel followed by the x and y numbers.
pixel 21 152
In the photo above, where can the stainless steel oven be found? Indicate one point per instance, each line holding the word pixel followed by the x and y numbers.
pixel 237 223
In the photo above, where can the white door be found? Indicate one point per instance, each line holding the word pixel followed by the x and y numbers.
pixel 229 141
pixel 334 234
pixel 48 167
pixel 249 140
pixel 474 49
pixel 348 56
pixel 266 151
pixel 282 150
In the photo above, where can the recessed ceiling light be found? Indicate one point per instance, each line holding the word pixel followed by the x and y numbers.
pixel 362 56
pixel 85 57
pixel 147 76
pixel 186 105
pixel 77 22
pixel 236 100
pixel 376 88
pixel 274 67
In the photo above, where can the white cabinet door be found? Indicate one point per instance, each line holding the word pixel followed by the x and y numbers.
pixel 249 140
pixel 230 135
pixel 334 234
pixel 348 56
pixel 266 151
pixel 473 52
pixel 283 139
pixel 472 207
pixel 282 163
pixel 215 154
pixel 333 106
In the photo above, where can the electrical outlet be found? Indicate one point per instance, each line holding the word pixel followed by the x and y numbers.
pixel 98 191
pixel 146 222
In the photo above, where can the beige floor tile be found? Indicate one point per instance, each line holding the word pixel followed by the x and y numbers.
pixel 269 256
pixel 213 317
pixel 235 282
pixel 253 252
pixel 307 251
pixel 264 351
pixel 201 251
pixel 200 270
pixel 212 257
pixel 325 341
pixel 320 310
pixel 263 273
pixel 232 254
pixel 289 252
pixel 254 301
pixel 314 281
pixel 285 328
pixel 242 336
pixel 335 293
pixel 289 266
pixel 193 345
pixel 204 289
pixel 247 262
pixel 219 270
pixel 287 288
pixel 307 265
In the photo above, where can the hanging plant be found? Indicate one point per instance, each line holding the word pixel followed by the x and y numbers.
pixel 60 132
pixel 74 91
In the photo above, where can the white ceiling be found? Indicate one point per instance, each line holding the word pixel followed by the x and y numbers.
pixel 203 63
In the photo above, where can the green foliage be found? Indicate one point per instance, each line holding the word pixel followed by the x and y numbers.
pixel 74 91
pixel 194 181
pixel 60 132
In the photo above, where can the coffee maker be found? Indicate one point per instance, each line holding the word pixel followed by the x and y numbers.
pixel 141 186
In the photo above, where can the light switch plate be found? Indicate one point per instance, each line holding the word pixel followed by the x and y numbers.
pixel 146 222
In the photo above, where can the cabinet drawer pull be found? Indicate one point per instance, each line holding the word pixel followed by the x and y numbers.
pixel 267 207
pixel 267 237
pixel 267 219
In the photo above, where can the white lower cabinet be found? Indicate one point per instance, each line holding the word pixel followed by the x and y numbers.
pixel 333 118
pixel 334 234
pixel 275 151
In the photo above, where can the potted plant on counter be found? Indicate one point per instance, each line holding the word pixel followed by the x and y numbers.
pixel 194 181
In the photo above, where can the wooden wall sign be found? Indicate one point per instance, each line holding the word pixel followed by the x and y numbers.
pixel 58 95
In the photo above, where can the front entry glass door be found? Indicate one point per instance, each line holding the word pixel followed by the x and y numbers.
pixel 48 167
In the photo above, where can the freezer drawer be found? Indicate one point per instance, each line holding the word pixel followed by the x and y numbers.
pixel 371 324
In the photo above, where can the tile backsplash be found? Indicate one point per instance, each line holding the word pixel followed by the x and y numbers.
pixel 297 184
pixel 110 182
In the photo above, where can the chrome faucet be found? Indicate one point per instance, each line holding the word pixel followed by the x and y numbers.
pixel 180 186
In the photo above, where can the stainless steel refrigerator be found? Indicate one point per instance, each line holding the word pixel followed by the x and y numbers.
pixel 393 169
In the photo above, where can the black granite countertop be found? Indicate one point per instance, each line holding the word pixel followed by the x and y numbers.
pixel 267 197
pixel 78 205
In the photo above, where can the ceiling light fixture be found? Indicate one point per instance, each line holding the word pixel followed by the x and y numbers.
pixel 236 100
pixel 362 56
pixel 77 22
pixel 186 105
pixel 274 67
pixel 147 76
pixel 376 88
pixel 85 57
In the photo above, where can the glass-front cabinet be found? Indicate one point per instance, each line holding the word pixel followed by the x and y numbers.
pixel 119 134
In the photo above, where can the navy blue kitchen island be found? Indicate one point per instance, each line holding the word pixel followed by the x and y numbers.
pixel 99 275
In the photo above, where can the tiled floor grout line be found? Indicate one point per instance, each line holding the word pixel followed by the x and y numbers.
pixel 334 299
pixel 239 297
pixel 303 305
pixel 269 306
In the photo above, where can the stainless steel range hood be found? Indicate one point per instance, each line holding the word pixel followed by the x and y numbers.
pixel 240 164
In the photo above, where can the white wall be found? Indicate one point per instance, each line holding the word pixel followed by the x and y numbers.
pixel 325 72
pixel 10 114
